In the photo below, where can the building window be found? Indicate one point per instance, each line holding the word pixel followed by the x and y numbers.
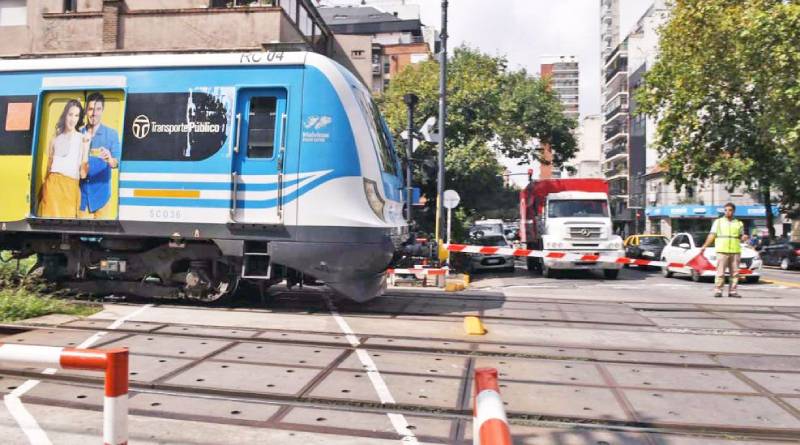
pixel 357 54
pixel 386 67
pixel 70 5
pixel 13 13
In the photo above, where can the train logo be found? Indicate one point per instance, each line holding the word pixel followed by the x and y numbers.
pixel 317 122
pixel 141 126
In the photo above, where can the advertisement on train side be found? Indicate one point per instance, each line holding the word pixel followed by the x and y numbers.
pixel 78 155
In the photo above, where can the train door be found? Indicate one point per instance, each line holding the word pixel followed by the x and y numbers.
pixel 259 156
pixel 17 114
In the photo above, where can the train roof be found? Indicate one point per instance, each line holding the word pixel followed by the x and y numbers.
pixel 267 58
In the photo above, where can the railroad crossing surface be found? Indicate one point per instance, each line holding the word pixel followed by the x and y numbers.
pixel 642 359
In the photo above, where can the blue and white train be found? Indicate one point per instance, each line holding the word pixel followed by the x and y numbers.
pixel 229 167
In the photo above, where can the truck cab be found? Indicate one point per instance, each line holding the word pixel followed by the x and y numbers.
pixel 569 215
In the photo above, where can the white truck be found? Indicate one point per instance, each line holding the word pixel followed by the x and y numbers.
pixel 569 215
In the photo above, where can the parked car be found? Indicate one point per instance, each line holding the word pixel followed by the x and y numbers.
pixel 473 262
pixel 645 247
pixel 785 254
pixel 486 227
pixel 685 246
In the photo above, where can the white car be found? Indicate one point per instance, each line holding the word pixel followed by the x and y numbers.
pixel 685 246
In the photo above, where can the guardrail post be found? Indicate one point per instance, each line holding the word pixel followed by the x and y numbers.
pixel 489 422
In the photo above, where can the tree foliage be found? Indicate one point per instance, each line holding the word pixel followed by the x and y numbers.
pixel 726 92
pixel 491 110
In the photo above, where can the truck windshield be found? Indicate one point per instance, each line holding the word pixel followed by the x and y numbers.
pixel 577 208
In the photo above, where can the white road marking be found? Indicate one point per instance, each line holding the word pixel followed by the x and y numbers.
pixel 24 419
pixel 398 421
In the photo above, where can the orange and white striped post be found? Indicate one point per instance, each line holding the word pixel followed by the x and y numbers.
pixel 114 362
pixel 489 422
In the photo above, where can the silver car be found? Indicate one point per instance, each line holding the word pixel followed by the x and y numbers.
pixel 479 261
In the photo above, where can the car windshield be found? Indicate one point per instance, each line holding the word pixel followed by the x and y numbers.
pixel 495 241
pixel 655 241
pixel 568 208
pixel 699 238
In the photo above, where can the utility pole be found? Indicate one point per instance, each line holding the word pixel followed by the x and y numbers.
pixel 442 120
pixel 411 101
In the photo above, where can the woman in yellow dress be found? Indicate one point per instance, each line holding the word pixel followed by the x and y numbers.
pixel 67 159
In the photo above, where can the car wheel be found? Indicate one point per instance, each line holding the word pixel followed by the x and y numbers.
pixel 696 277
pixel 665 271
pixel 548 272
pixel 532 264
pixel 610 274
pixel 785 263
pixel 752 280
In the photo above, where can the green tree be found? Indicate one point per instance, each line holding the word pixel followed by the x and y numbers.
pixel 491 110
pixel 726 92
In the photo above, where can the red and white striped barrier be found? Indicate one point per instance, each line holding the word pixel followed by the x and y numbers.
pixel 565 256
pixel 415 271
pixel 420 273
pixel 489 422
pixel 114 362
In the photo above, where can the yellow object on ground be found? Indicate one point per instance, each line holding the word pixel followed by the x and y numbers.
pixel 779 282
pixel 466 280
pixel 473 326
pixel 444 254
pixel 453 287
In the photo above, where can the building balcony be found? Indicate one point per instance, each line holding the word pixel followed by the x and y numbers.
pixel 618 73
pixel 376 69
pixel 616 107
pixel 616 151
pixel 615 132
pixel 621 51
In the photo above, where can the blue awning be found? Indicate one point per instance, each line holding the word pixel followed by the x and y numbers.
pixel 698 211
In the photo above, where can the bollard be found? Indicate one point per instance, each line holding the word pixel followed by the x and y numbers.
pixel 489 422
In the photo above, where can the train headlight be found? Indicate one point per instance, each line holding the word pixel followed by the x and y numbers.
pixel 374 198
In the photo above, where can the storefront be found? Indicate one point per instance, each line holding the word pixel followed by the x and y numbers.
pixel 667 220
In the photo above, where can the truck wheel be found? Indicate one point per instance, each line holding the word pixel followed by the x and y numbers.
pixel 610 274
pixel 548 272
pixel 753 280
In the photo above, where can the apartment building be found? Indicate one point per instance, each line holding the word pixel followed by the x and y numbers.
pixel 378 43
pixel 627 154
pixel 31 28
pixel 589 135
pixel 563 73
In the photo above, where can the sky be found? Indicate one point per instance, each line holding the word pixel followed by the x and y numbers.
pixel 524 31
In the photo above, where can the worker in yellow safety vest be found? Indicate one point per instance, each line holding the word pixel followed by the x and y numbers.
pixel 726 234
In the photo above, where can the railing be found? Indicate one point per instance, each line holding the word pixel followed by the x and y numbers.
pixel 114 362
pixel 615 150
pixel 614 130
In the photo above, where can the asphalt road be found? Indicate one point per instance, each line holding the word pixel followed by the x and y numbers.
pixel 635 284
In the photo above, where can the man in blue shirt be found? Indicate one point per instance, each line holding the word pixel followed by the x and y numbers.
pixel 104 155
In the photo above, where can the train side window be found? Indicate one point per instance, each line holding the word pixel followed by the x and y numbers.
pixel 261 127
pixel 16 124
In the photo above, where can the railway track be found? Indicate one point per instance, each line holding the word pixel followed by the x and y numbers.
pixel 429 376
